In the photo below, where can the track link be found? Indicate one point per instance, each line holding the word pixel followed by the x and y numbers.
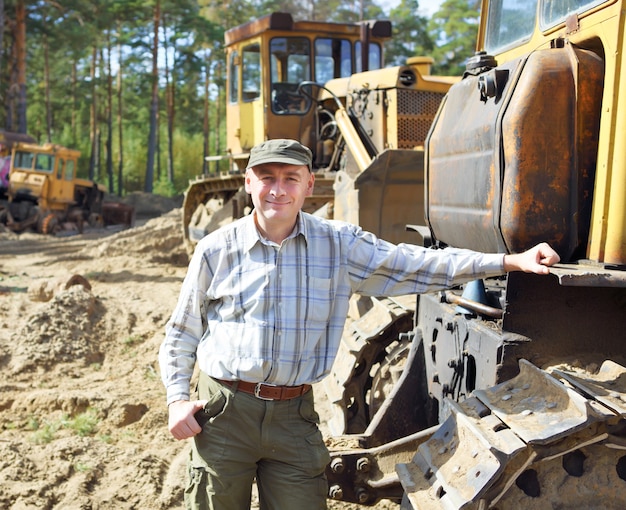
pixel 539 440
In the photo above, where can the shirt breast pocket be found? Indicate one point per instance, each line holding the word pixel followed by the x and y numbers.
pixel 319 299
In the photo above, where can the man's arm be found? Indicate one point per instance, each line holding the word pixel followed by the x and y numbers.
pixel 535 260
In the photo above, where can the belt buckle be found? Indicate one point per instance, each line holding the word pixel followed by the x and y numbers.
pixel 257 391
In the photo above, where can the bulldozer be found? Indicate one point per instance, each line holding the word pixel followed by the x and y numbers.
pixel 45 195
pixel 325 85
pixel 502 393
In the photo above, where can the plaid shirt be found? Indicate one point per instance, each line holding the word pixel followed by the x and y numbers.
pixel 253 310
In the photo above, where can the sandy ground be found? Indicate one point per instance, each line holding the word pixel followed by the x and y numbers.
pixel 83 423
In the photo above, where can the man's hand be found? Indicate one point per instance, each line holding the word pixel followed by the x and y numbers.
pixel 536 260
pixel 182 423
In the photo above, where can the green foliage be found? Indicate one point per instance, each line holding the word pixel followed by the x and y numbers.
pixel 45 434
pixel 82 467
pixel 410 34
pixel 105 438
pixel 131 340
pixel 93 57
pixel 83 424
pixel 231 13
pixel 187 159
pixel 165 187
pixel 454 28
pixel 33 423
pixel 134 158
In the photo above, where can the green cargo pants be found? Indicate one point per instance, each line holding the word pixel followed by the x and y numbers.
pixel 244 438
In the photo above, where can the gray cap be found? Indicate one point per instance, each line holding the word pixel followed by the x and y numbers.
pixel 280 150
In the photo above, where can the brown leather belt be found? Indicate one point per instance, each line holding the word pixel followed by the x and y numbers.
pixel 267 391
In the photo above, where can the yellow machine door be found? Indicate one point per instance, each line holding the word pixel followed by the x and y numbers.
pixel 251 110
pixel 61 189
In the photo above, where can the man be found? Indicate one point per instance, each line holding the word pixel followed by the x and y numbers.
pixel 261 311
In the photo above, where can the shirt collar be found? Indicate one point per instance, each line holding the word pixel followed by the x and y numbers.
pixel 251 235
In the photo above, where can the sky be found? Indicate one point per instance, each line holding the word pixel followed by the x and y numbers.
pixel 428 7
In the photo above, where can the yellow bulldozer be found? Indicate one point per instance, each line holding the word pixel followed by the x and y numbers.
pixel 325 85
pixel 506 392
pixel 45 195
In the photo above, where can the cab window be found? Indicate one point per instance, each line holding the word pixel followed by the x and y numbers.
pixel 509 23
pixel 251 72
pixel 44 163
pixel 69 169
pixel 290 65
pixel 233 62
pixel 23 160
pixel 554 12
pixel 375 56
pixel 333 59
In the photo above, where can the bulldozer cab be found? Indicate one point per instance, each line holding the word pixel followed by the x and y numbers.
pixel 46 172
pixel 267 61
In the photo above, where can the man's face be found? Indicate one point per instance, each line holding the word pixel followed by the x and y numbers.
pixel 278 191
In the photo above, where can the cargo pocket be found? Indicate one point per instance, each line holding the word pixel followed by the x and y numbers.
pixel 317 454
pixel 196 488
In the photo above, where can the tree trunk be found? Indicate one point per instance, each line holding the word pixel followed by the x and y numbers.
pixel 169 99
pixel 109 140
pixel 1 31
pixel 74 85
pixel 206 167
pixel 93 135
pixel 12 88
pixel 20 47
pixel 46 79
pixel 154 106
pixel 120 127
pixel 218 114
pixel 2 20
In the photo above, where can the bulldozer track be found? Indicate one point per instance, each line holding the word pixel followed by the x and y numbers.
pixel 48 224
pixel 538 440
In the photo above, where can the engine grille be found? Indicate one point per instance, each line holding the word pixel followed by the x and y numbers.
pixel 416 112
